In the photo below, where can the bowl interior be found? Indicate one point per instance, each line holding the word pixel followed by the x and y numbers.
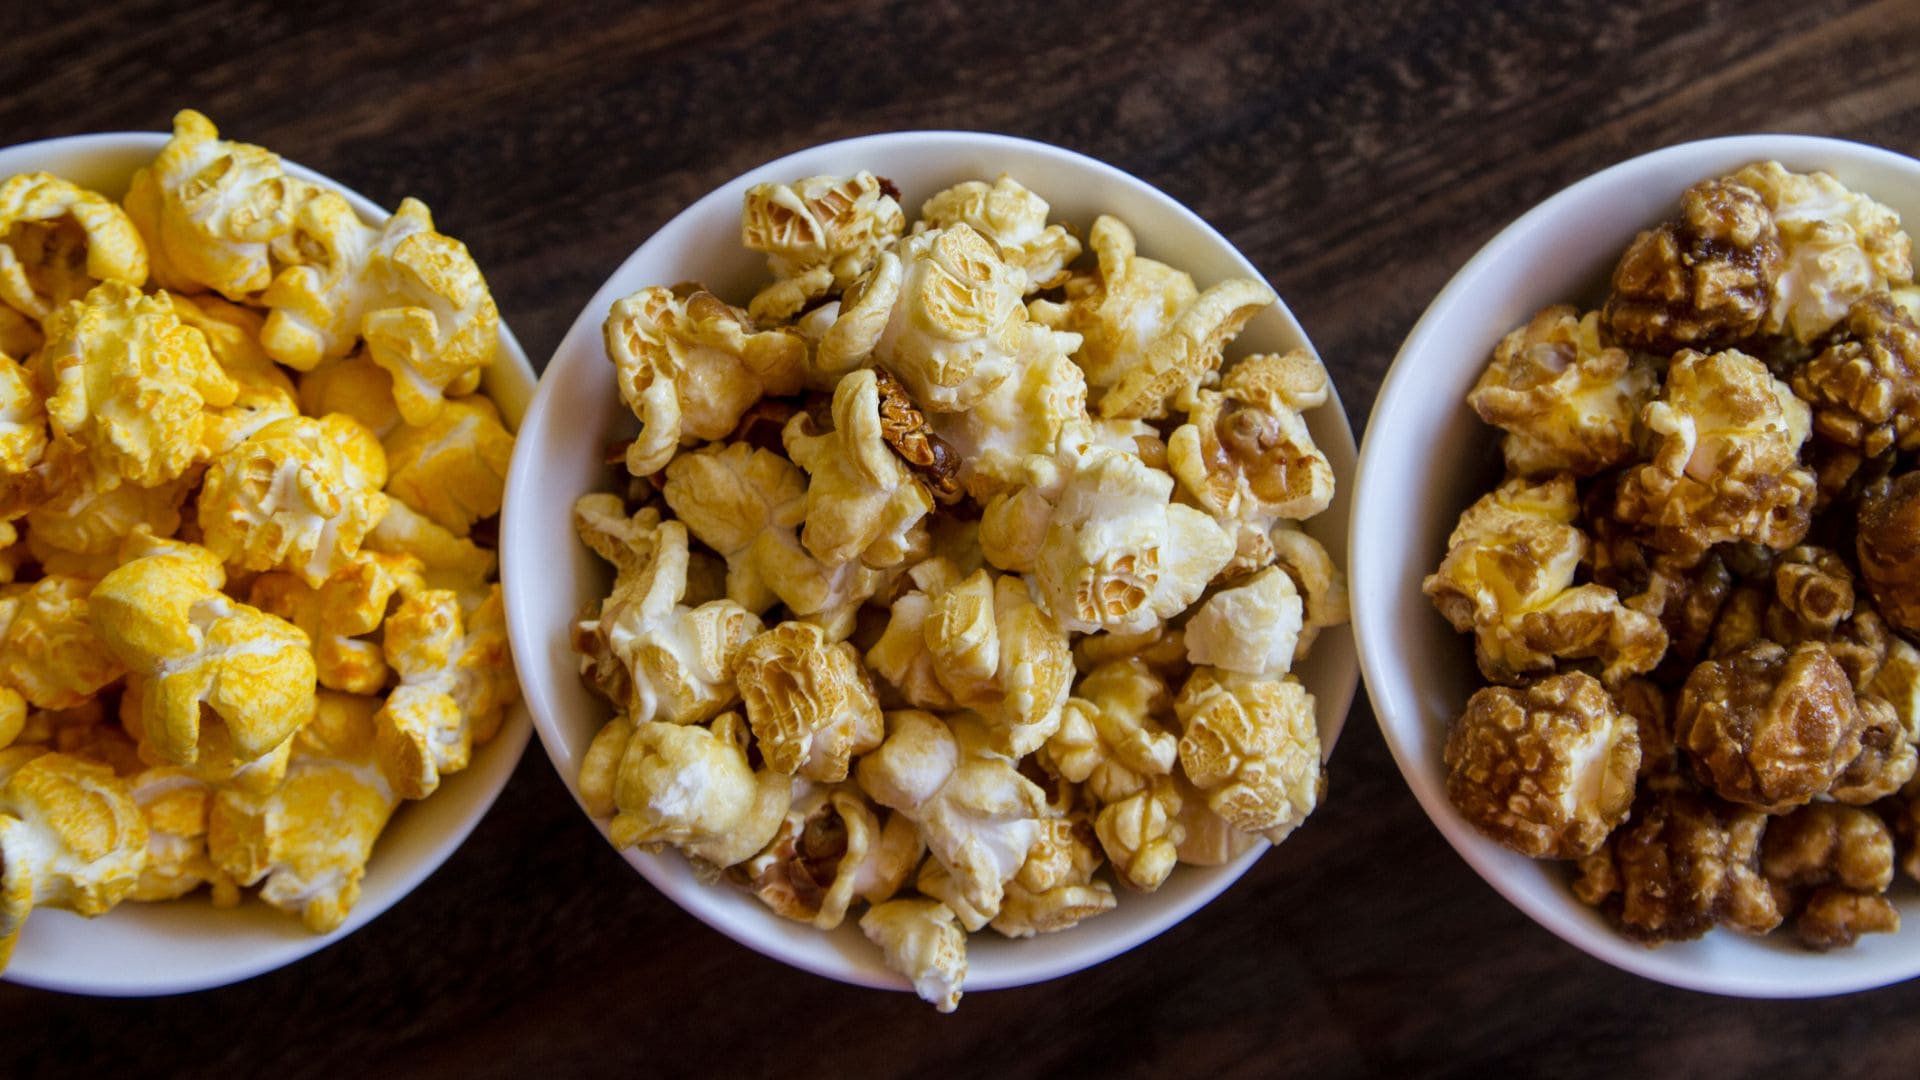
pixel 188 944
pixel 549 575
pixel 1427 456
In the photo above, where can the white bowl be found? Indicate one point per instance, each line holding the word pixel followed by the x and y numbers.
pixel 1427 456
pixel 550 575
pixel 188 944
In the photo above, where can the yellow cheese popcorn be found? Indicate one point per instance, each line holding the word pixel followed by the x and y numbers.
pixel 177 805
pixel 355 386
pixel 338 616
pixel 454 468
pixel 299 495
pixel 49 651
pixel 455 683
pixel 57 241
pixel 71 836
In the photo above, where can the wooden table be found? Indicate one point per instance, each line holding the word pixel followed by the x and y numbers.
pixel 1357 152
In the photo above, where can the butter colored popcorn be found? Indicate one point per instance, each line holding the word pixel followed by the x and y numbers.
pixel 338 616
pixel 1566 401
pixel 1209 840
pixel 299 495
pixel 1187 356
pixel 1320 583
pixel 921 940
pixel 1121 309
pixel 646 651
pixel 1055 890
pixel 690 786
pixel 818 235
pixel 1839 247
pixel 19 334
pixel 862 502
pixel 810 704
pixel 71 837
pixel 49 651
pixel 209 208
pixel 1036 413
pixel 203 655
pixel 1014 219
pixel 1252 628
pixel 310 838
pixel 76 509
pixel 1142 833
pixel 1110 739
pixel 1252 745
pixel 831 850
pixel 13 716
pixel 456 681
pixel 689 367
pixel 177 806
pixel 23 435
pixel 58 240
pixel 126 382
pixel 454 468
pixel 355 386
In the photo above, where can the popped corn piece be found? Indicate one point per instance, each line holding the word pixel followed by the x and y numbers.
pixel 454 468
pixel 70 837
pixel 456 681
pixel 203 655
pixel 1683 863
pixel 355 386
pixel 1187 356
pixel 176 805
pixel 818 234
pixel 1508 578
pixel 1703 280
pixel 1036 412
pixel 978 816
pixel 906 429
pixel 217 764
pixel 1141 834
pixel 808 700
pixel 208 209
pixel 862 502
pixel 58 241
pixel 1837 245
pixel 1111 738
pixel 309 839
pixel 1251 628
pixel 1865 385
pixel 127 383
pixel 1321 584
pixel 452 562
pixel 1567 402
pixel 19 334
pixel 1548 771
pixel 1727 435
pixel 1253 746
pixel 1210 839
pixel 1014 219
pixel 49 651
pixel 1888 545
pixel 13 715
pixel 74 508
pixel 831 850
pixel 300 495
pixel 690 366
pixel 1122 309
pixel 690 785
pixel 921 940
pixel 1835 918
pixel 646 651
pixel 338 616
pixel 1162 648
pixel 1769 728
pixel 1054 889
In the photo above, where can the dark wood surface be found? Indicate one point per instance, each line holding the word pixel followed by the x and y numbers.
pixel 1358 152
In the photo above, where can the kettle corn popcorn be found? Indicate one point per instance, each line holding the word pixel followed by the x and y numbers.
pixel 1690 590
pixel 244 615
pixel 1013 579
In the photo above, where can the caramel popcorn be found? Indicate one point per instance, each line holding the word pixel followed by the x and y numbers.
pixel 889 457
pixel 1567 402
pixel 1704 280
pixel 1837 246
pixel 239 696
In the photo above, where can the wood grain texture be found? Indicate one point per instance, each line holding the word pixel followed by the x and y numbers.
pixel 1358 152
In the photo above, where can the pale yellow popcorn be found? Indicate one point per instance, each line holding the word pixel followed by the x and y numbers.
pixel 1321 584
pixel 1105 546
pixel 74 508
pixel 1110 738
pixel 203 656
pixel 1253 746
pixel 454 468
pixel 208 209
pixel 19 334
pixel 818 235
pixel 1839 246
pixel 23 436
pixel 650 654
pixel 862 502
pixel 1210 839
pixel 176 805
pixel 1508 578
pixel 1015 219
pixel 49 651
pixel 355 386
pixel 338 616
pixel 310 838
pixel 1187 356
pixel 1055 889
pixel 58 241
pixel 456 681
pixel 1725 462
pixel 810 703
pixel 300 495
pixel 687 785
pixel 13 715
pixel 70 837
pixel 921 940
pixel 1252 628
pixel 690 367
pixel 127 382
pixel 1566 401
pixel 1035 413
pixel 747 504
pixel 978 816
pixel 1120 310
pixel 1142 833
pixel 831 850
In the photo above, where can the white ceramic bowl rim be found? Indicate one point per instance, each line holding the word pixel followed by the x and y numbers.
pixel 186 945
pixel 767 933
pixel 1405 389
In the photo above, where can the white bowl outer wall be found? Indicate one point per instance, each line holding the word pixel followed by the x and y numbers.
pixel 549 574
pixel 1427 456
pixel 188 944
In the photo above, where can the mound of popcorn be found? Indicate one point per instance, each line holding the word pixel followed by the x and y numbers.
pixel 1696 591
pixel 954 577
pixel 245 605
